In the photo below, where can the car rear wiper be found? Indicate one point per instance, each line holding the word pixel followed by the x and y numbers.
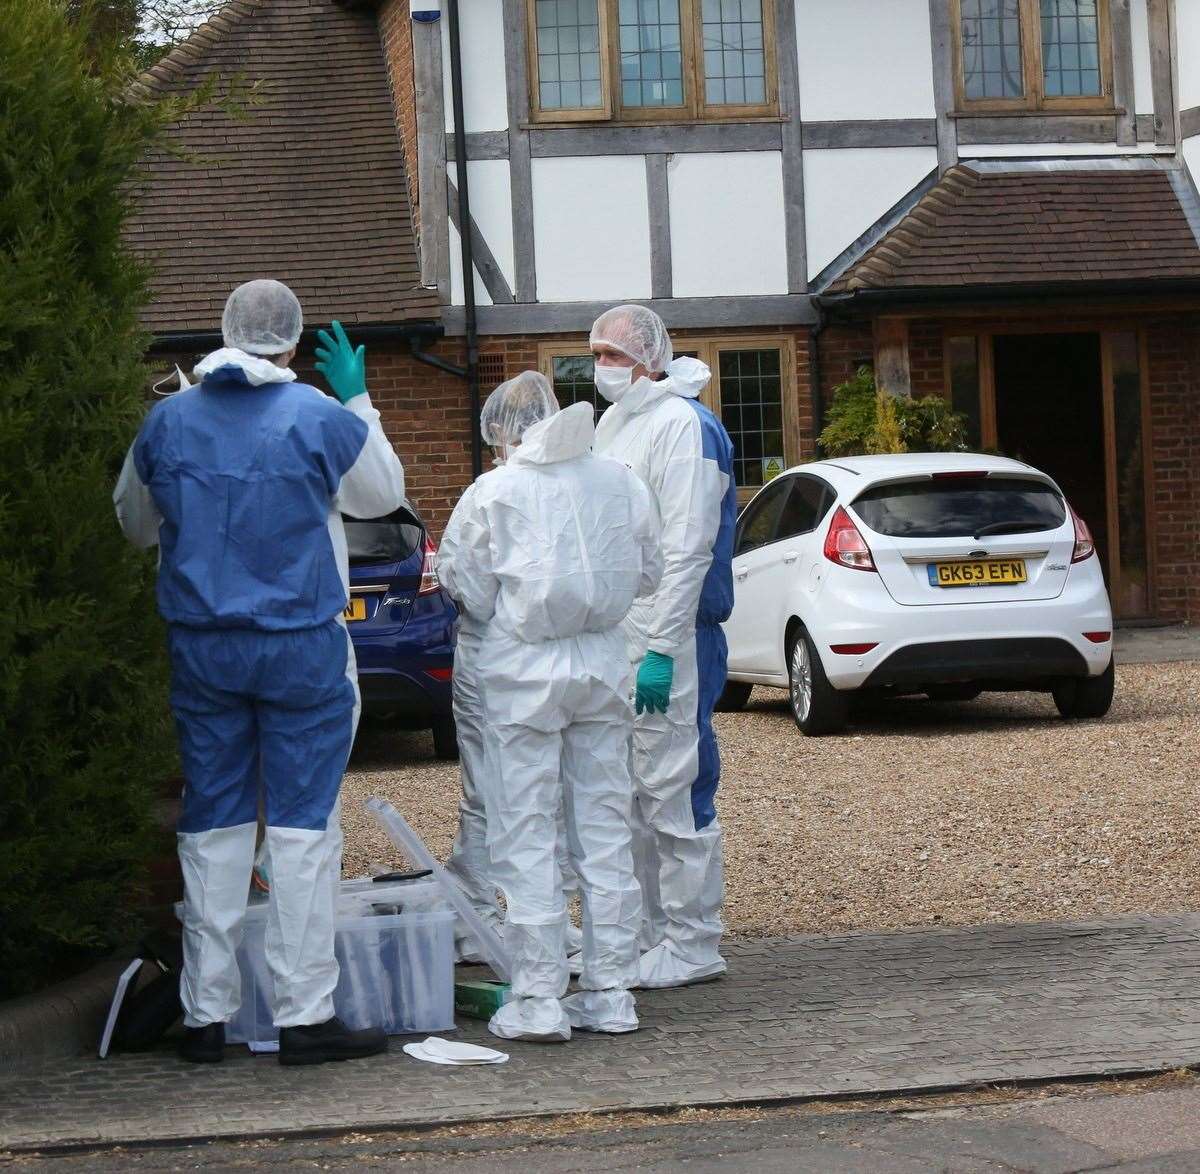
pixel 1005 528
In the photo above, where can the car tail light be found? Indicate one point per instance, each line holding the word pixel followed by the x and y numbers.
pixel 429 578
pixel 1084 546
pixel 853 649
pixel 440 674
pixel 1098 637
pixel 957 474
pixel 845 546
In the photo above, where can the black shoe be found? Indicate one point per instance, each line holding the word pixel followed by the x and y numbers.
pixel 203 1045
pixel 331 1040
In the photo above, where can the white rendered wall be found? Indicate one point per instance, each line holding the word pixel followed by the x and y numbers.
pixel 1143 83
pixel 485 94
pixel 727 225
pixel 864 59
pixel 482 297
pixel 1191 156
pixel 591 225
pixel 846 191
pixel 491 209
pixel 1187 37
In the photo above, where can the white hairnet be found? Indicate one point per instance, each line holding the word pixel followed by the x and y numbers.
pixel 262 317
pixel 636 331
pixel 515 406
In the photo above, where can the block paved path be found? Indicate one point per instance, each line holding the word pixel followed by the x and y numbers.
pixel 797 1017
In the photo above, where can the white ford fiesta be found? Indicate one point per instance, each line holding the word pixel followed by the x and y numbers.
pixel 946 574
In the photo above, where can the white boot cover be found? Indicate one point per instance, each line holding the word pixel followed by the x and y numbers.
pixel 607 1011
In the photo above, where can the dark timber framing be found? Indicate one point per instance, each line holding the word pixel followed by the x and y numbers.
pixel 484 261
pixel 1122 72
pixel 659 201
pixel 792 145
pixel 519 164
pixel 1162 71
pixel 951 131
pixel 577 317
pixel 941 29
pixel 431 154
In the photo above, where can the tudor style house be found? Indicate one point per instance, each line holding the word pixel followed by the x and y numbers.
pixel 989 200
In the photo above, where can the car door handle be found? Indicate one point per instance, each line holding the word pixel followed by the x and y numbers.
pixel 791 556
pixel 739 573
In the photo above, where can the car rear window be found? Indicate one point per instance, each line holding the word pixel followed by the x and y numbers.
pixel 958 507
pixel 383 540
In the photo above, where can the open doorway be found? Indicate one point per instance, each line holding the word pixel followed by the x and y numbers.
pixel 1073 404
pixel 1050 414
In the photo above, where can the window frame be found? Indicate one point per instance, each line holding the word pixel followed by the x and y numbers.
pixel 709 348
pixel 695 108
pixel 1034 100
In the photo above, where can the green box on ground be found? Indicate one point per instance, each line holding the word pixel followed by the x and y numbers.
pixel 480 998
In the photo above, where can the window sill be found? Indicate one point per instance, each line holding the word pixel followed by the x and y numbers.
pixel 1043 112
pixel 627 124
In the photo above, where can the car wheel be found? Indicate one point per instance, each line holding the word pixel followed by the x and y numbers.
pixel 734 697
pixel 1085 697
pixel 445 738
pixel 966 692
pixel 816 705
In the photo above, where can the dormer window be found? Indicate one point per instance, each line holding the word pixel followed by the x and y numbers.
pixel 1039 55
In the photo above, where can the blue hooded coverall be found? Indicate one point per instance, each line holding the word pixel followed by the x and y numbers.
pixel 241 480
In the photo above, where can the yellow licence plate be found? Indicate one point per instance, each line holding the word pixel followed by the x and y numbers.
pixel 984 572
pixel 356 610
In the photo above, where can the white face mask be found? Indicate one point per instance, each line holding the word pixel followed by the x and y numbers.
pixel 613 382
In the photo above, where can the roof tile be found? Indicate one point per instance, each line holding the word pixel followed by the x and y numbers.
pixel 309 188
pixel 1000 227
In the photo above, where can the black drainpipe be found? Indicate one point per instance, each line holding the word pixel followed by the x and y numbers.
pixel 814 371
pixel 464 236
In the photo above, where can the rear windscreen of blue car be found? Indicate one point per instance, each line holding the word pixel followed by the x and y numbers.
pixel 383 540
pixel 958 507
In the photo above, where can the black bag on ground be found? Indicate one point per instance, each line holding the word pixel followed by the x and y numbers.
pixel 155 1007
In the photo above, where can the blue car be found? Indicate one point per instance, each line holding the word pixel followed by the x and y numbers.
pixel 402 624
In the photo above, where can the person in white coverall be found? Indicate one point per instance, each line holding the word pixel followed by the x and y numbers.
pixel 241 481
pixel 548 552
pixel 469 863
pixel 657 426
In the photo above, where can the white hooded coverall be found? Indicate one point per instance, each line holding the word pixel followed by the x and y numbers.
pixel 659 431
pixel 550 552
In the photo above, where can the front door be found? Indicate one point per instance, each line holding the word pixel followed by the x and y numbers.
pixel 1073 405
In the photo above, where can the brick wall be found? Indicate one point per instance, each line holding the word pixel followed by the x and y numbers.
pixel 925 362
pixel 395 34
pixel 1173 349
pixel 426 416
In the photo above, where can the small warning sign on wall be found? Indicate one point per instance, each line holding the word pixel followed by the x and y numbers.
pixel 772 467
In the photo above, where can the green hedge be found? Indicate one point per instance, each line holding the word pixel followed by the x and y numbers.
pixel 85 738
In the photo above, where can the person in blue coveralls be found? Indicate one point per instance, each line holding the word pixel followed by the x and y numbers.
pixel 657 426
pixel 241 481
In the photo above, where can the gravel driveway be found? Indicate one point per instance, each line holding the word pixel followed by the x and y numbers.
pixel 995 810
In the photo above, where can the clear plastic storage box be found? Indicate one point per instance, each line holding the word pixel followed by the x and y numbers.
pixel 396 968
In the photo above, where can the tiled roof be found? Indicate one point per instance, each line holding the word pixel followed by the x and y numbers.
pixel 995 227
pixel 309 188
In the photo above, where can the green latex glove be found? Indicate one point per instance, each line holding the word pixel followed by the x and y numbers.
pixel 654 677
pixel 341 364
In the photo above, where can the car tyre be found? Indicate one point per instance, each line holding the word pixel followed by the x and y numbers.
pixel 817 706
pixel 445 738
pixel 734 697
pixel 1085 697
